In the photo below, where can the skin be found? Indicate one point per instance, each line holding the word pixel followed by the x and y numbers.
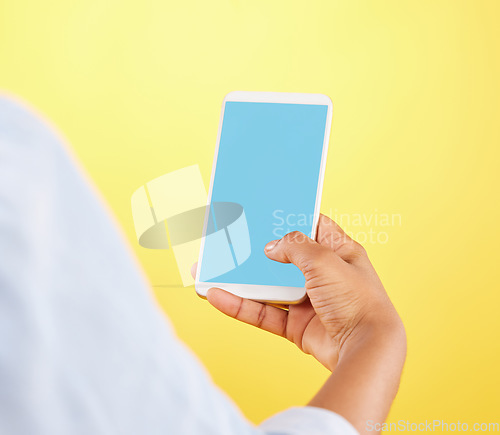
pixel 347 322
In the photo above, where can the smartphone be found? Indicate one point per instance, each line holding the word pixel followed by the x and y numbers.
pixel 267 179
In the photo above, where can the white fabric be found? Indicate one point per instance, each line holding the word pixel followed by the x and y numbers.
pixel 84 349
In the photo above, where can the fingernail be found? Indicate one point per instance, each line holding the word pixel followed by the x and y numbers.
pixel 271 245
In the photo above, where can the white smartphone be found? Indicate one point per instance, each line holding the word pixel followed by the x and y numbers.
pixel 267 179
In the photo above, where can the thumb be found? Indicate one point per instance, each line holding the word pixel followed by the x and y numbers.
pixel 302 251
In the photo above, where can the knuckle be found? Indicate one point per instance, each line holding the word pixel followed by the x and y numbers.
pixel 261 315
pixel 333 239
pixel 295 237
pixel 238 309
pixel 326 222
pixel 284 326
pixel 323 256
pixel 357 249
pixel 320 259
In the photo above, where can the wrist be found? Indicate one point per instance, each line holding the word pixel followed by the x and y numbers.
pixel 380 329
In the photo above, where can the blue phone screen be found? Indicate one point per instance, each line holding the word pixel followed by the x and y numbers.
pixel 265 186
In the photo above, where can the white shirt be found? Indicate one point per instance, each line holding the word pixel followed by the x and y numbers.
pixel 84 348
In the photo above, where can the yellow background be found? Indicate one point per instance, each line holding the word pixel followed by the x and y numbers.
pixel 136 87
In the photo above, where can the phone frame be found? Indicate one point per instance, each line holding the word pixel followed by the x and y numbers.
pixel 267 293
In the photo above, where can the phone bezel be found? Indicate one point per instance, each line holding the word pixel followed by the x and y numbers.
pixel 267 293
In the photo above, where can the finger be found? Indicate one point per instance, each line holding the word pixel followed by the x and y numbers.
pixel 302 251
pixel 193 269
pixel 331 235
pixel 254 313
pixel 281 306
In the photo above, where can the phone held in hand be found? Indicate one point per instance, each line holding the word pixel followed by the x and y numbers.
pixel 267 180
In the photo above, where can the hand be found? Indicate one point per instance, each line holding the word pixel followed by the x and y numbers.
pixel 344 295
pixel 347 322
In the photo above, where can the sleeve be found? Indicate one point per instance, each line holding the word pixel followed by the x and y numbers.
pixel 85 348
pixel 307 420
